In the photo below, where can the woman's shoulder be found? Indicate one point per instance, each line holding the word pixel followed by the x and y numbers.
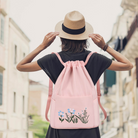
pixel 72 56
pixel 84 52
pixel 47 58
pixel 95 54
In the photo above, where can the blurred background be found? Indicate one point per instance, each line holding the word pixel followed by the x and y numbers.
pixel 23 95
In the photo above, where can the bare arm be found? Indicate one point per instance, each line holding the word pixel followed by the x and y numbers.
pixel 122 62
pixel 26 65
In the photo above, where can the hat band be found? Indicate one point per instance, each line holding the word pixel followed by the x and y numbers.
pixel 73 31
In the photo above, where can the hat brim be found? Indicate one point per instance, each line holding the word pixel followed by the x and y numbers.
pixel 82 36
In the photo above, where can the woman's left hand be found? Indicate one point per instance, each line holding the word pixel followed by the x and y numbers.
pixel 48 39
pixel 98 40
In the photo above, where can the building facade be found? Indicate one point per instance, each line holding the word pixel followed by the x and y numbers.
pixel 18 82
pixel 14 85
pixel 122 98
pixel 4 21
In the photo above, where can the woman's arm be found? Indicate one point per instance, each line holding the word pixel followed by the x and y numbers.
pixel 122 63
pixel 26 65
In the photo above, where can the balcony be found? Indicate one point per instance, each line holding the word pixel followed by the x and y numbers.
pixel 3 7
pixel 133 27
pixel 131 48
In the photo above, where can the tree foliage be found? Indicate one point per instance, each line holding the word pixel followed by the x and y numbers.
pixel 39 127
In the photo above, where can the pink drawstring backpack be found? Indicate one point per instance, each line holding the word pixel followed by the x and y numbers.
pixel 74 100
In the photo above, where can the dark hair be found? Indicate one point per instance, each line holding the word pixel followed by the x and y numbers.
pixel 73 45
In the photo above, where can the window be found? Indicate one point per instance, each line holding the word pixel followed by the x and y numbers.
pixel 23 54
pixel 123 86
pixel 2 29
pixel 109 78
pixel 15 54
pixel 23 105
pixel 1 87
pixel 129 72
pixel 26 134
pixel 14 102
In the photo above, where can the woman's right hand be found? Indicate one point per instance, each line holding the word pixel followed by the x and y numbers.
pixel 98 40
pixel 48 39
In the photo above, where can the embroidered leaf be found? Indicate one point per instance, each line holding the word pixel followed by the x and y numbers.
pixel 62 120
pixel 68 118
pixel 76 120
pixel 73 120
pixel 59 118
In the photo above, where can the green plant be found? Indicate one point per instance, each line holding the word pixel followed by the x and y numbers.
pixel 39 127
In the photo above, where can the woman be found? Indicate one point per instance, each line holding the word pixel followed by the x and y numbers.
pixel 74 32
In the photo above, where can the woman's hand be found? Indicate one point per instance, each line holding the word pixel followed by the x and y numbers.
pixel 122 63
pixel 98 40
pixel 48 39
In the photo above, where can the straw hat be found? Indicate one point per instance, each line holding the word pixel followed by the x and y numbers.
pixel 74 27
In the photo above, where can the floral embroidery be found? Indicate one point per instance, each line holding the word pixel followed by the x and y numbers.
pixel 83 117
pixel 61 114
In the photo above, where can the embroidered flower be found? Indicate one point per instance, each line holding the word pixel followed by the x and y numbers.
pixel 60 113
pixel 73 111
pixel 68 110
pixel 82 116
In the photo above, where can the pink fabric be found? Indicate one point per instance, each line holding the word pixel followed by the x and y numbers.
pixel 86 61
pixel 49 99
pixel 68 94
pixel 105 114
pixel 59 58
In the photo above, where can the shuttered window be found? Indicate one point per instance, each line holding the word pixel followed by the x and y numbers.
pixel 23 54
pixel 109 78
pixel 14 102
pixel 23 104
pixel 15 54
pixel 1 87
pixel 2 29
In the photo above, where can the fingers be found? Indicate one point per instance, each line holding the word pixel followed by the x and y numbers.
pixel 49 38
pixel 51 34
pixel 95 38
pixel 54 34
pixel 98 35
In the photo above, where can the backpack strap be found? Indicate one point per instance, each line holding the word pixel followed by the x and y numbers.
pixel 88 57
pixel 51 89
pixel 99 96
pixel 98 87
pixel 49 99
pixel 59 58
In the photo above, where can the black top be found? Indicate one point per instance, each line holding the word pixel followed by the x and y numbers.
pixel 96 65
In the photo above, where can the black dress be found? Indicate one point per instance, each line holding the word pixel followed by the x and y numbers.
pixel 96 65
